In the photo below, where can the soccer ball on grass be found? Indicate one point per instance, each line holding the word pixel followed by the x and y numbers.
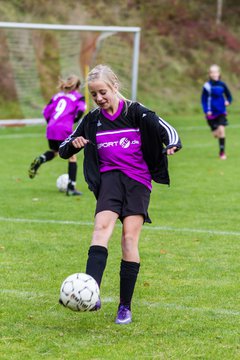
pixel 79 292
pixel 62 182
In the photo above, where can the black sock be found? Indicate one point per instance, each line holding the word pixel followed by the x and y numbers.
pixel 47 156
pixel 96 263
pixel 72 171
pixel 222 145
pixel 128 277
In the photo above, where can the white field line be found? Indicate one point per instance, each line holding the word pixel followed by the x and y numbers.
pixel 203 127
pixel 33 135
pixel 41 121
pixel 189 308
pixel 17 122
pixel 180 128
pixel 145 227
pixel 30 295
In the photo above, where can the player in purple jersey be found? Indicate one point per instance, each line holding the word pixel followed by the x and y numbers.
pixel 64 109
pixel 126 147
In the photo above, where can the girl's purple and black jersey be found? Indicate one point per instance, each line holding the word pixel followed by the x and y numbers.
pixel 119 146
pixel 61 113
pixel 213 98
pixel 134 141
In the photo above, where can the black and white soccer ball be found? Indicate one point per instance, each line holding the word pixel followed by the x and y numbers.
pixel 79 292
pixel 62 182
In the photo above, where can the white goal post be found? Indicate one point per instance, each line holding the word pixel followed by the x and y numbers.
pixel 79 47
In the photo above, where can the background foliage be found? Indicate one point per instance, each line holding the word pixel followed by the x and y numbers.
pixel 179 40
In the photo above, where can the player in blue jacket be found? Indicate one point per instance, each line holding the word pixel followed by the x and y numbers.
pixel 215 98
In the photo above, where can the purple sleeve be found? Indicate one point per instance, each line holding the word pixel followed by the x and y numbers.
pixel 82 105
pixel 47 111
pixel 80 109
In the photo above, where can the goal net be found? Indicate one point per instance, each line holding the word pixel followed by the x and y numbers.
pixel 34 56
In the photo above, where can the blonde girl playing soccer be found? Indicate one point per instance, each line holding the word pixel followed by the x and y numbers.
pixel 125 147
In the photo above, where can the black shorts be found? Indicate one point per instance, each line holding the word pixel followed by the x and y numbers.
pixel 123 195
pixel 54 144
pixel 215 123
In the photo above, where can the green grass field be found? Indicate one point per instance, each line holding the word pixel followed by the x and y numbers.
pixel 186 302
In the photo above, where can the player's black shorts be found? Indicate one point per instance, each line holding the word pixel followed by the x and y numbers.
pixel 215 123
pixel 123 195
pixel 54 144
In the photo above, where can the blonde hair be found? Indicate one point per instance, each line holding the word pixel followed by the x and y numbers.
pixel 215 67
pixel 106 74
pixel 71 83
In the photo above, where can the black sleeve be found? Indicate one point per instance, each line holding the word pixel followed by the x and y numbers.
pixel 169 135
pixel 78 116
pixel 66 149
pixel 166 133
pixel 227 93
pixel 80 112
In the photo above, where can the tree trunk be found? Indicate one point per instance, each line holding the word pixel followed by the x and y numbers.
pixel 219 12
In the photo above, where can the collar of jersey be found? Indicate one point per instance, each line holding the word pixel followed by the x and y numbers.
pixel 117 113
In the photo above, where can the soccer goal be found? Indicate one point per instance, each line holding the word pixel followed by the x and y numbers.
pixel 34 56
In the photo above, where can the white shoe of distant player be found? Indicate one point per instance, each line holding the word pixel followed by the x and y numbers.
pixel 223 156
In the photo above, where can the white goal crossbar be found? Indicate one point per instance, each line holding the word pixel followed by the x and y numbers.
pixel 107 29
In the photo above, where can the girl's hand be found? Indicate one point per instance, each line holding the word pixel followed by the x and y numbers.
pixel 171 151
pixel 227 103
pixel 79 142
pixel 209 113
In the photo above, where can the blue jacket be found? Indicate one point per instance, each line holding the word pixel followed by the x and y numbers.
pixel 214 94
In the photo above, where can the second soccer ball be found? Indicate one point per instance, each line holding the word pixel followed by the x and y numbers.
pixel 62 182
